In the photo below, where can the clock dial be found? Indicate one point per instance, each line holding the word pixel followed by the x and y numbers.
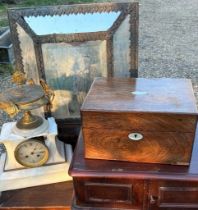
pixel 32 153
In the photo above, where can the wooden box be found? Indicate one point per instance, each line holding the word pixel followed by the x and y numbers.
pixel 140 120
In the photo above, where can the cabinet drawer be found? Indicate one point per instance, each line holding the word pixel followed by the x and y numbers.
pixel 152 147
pixel 105 192
pixel 174 195
pixel 114 193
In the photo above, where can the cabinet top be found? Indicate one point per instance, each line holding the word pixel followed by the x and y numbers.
pixel 160 95
pixel 82 167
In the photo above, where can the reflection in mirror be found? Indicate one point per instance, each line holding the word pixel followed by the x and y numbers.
pixel 70 70
pixel 73 23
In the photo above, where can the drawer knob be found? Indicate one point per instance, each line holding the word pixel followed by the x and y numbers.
pixel 135 136
pixel 153 199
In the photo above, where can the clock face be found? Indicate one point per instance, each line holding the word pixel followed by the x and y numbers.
pixel 32 153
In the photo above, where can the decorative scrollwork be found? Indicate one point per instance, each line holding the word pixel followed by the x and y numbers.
pixel 49 93
pixel 69 9
pixel 19 77
pixel 7 106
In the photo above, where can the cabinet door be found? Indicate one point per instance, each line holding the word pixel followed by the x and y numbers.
pixel 109 193
pixel 171 195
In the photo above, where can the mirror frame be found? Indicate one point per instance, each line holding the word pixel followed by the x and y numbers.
pixel 16 16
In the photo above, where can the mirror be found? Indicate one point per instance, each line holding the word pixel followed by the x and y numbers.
pixel 72 23
pixel 70 45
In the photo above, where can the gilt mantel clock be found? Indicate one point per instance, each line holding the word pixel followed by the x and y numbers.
pixel 32 147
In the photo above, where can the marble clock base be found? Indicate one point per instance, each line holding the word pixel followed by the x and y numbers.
pixel 15 176
pixel 36 131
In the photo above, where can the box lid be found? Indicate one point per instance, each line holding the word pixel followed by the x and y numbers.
pixel 161 95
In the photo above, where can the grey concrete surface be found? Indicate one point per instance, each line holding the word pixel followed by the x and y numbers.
pixel 168 39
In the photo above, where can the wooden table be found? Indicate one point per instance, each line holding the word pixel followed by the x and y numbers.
pixel 50 197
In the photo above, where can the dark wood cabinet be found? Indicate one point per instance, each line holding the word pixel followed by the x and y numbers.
pixel 117 193
pixel 173 195
pixel 106 184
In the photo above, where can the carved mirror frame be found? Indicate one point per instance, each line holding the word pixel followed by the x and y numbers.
pixel 17 20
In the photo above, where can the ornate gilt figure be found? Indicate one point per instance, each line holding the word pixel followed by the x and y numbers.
pixel 25 97
pixel 10 108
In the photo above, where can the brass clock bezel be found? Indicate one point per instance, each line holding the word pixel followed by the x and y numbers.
pixel 32 165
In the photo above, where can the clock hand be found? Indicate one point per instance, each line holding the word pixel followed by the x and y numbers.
pixel 35 146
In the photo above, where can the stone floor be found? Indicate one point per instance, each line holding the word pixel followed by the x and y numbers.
pixel 168 41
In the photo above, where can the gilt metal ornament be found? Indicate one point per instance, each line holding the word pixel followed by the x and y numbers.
pixel 26 96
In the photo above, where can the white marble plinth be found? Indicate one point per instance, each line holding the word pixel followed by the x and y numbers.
pixel 15 176
pixel 29 177
pixel 31 132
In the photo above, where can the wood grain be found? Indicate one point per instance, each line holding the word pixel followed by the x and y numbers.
pixel 159 95
pixel 83 167
pixel 139 121
pixel 53 196
pixel 155 147
pixel 120 194
pixel 164 186
pixel 155 108
pixel 173 195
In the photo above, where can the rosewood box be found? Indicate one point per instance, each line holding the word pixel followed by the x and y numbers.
pixel 140 120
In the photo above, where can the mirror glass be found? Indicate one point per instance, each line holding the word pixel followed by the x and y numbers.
pixel 86 45
pixel 70 70
pixel 72 23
